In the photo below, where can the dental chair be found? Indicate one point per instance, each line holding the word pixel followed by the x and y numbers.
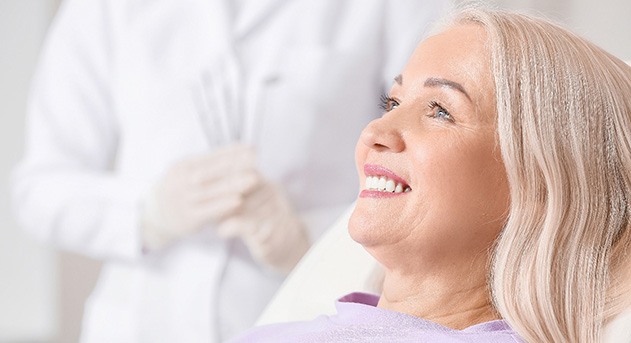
pixel 334 266
pixel 337 265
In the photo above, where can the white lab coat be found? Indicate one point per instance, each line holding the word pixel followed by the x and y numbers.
pixel 113 105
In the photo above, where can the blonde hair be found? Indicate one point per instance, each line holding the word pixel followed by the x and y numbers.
pixel 564 127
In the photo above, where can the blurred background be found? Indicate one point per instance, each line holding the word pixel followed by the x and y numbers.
pixel 41 290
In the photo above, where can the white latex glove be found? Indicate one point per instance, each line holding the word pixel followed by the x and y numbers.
pixel 268 226
pixel 197 192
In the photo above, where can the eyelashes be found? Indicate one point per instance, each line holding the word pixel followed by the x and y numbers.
pixel 387 103
pixel 436 110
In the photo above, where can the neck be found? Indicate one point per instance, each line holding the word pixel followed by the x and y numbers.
pixel 456 303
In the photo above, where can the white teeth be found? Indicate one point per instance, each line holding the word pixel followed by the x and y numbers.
pixel 390 186
pixel 371 182
pixel 383 184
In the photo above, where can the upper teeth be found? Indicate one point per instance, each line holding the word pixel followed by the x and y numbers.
pixel 384 184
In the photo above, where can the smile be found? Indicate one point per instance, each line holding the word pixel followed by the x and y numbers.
pixel 385 184
pixel 381 181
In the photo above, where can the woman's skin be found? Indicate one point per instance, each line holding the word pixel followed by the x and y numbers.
pixel 438 138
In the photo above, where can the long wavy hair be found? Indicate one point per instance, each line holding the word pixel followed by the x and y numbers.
pixel 564 126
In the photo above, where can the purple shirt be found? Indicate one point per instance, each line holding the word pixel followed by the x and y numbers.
pixel 358 319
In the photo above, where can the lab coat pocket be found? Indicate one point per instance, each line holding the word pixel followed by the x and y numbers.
pixel 288 110
pixel 323 81
pixel 312 114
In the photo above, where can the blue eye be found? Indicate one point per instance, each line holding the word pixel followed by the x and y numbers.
pixel 388 103
pixel 439 112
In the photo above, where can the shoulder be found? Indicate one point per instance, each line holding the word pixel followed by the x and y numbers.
pixel 358 318
pixel 331 329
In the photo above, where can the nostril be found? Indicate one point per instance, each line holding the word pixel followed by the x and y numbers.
pixel 381 135
pixel 379 146
pixel 390 141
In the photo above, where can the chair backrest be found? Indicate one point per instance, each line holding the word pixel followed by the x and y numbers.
pixel 619 331
pixel 334 266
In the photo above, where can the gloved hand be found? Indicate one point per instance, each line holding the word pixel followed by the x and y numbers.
pixel 269 228
pixel 196 192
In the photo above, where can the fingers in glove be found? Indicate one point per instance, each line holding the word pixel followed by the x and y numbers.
pixel 232 185
pixel 218 164
pixel 217 210
pixel 266 200
pixel 233 227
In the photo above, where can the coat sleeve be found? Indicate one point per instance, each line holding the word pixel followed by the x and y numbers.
pixel 406 24
pixel 65 190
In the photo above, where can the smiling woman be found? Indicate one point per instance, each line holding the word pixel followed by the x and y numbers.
pixel 494 192
pixel 438 135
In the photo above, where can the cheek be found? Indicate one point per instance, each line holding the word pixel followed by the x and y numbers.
pixel 467 188
pixel 484 191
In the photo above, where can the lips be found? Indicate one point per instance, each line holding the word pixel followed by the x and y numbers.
pixel 381 182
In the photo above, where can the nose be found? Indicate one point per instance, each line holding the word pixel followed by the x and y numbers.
pixel 382 135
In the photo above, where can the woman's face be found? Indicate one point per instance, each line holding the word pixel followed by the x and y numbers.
pixel 435 152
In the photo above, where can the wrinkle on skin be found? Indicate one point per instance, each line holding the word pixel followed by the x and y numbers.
pixel 435 241
pixel 458 309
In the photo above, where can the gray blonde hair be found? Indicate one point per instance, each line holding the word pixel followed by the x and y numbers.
pixel 564 128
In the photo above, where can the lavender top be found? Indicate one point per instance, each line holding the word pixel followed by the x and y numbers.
pixel 358 319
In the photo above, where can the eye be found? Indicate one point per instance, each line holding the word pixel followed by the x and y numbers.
pixel 388 103
pixel 439 112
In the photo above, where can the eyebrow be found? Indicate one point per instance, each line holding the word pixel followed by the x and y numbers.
pixel 399 79
pixel 438 82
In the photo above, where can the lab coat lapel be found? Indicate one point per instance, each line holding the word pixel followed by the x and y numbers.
pixel 253 15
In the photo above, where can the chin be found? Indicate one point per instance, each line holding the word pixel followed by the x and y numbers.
pixel 364 227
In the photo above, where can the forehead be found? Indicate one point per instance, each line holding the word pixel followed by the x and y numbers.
pixel 459 54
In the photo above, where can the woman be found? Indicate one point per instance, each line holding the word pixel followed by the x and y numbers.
pixel 494 192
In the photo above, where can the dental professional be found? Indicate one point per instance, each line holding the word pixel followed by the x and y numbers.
pixel 197 146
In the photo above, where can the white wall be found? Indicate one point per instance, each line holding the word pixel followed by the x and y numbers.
pixel 605 22
pixel 28 303
pixel 41 291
